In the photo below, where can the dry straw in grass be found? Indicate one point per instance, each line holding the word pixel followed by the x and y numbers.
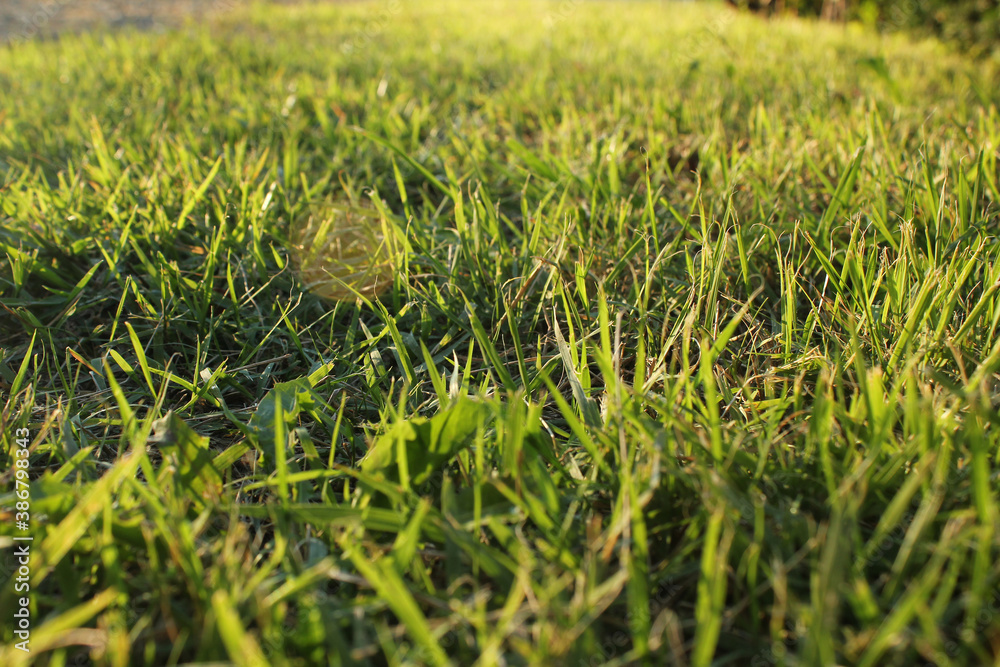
pixel 342 252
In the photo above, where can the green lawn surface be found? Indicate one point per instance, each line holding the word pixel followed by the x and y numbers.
pixel 677 341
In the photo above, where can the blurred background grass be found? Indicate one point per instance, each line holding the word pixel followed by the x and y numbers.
pixel 973 25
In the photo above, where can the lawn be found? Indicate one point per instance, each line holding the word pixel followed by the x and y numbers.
pixel 674 340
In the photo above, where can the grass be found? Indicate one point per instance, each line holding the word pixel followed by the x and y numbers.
pixel 684 349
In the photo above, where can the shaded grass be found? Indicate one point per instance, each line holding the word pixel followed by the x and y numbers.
pixel 690 355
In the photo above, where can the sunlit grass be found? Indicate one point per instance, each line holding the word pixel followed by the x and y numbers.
pixel 518 333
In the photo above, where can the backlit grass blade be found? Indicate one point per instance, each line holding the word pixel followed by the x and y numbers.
pixel 384 578
pixel 243 649
pixel 711 590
